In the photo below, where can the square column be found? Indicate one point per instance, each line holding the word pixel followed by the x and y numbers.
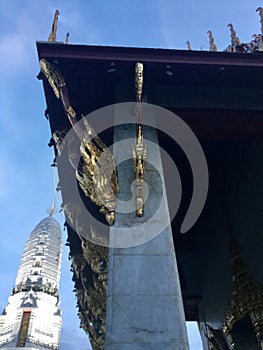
pixel 144 302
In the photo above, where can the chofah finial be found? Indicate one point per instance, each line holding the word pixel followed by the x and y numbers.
pixel 53 35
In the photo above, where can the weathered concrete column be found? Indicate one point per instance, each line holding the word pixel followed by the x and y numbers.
pixel 144 303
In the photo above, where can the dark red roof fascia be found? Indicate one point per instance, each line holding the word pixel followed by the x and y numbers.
pixel 131 54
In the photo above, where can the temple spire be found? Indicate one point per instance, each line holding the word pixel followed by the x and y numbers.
pixel 32 318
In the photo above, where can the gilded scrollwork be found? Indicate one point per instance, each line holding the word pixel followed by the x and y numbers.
pixel 92 298
pixel 96 256
pixel 58 137
pixel 78 264
pixel 94 302
pixel 97 176
pixel 58 85
pixel 96 318
pixel 97 312
pixel 247 296
pixel 139 159
pixel 54 78
pixel 139 152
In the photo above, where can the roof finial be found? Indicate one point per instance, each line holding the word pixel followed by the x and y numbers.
pixel 53 34
pixel 51 210
pixel 188 45
pixel 67 36
pixel 212 45
pixel 234 38
pixel 260 12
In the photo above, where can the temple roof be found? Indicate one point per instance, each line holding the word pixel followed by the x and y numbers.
pixel 219 95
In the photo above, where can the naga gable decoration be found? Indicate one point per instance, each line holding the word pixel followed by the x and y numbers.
pixel 247 295
pixel 96 174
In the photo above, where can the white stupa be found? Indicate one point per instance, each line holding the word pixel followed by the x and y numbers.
pixel 32 317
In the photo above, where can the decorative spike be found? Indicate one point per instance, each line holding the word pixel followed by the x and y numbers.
pixel 234 38
pixel 188 45
pixel 53 35
pixel 51 210
pixel 67 36
pixel 212 45
pixel 260 12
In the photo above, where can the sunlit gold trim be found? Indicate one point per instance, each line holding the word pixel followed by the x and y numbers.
pixel 97 175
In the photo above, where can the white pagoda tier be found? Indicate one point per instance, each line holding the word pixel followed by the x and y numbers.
pixel 32 318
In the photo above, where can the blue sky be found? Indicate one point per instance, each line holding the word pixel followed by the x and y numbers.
pixel 27 180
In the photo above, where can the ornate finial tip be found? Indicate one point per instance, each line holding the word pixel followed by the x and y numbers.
pixel 67 36
pixel 51 210
pixel 53 35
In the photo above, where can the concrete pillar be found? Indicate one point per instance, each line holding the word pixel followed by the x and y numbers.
pixel 144 302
